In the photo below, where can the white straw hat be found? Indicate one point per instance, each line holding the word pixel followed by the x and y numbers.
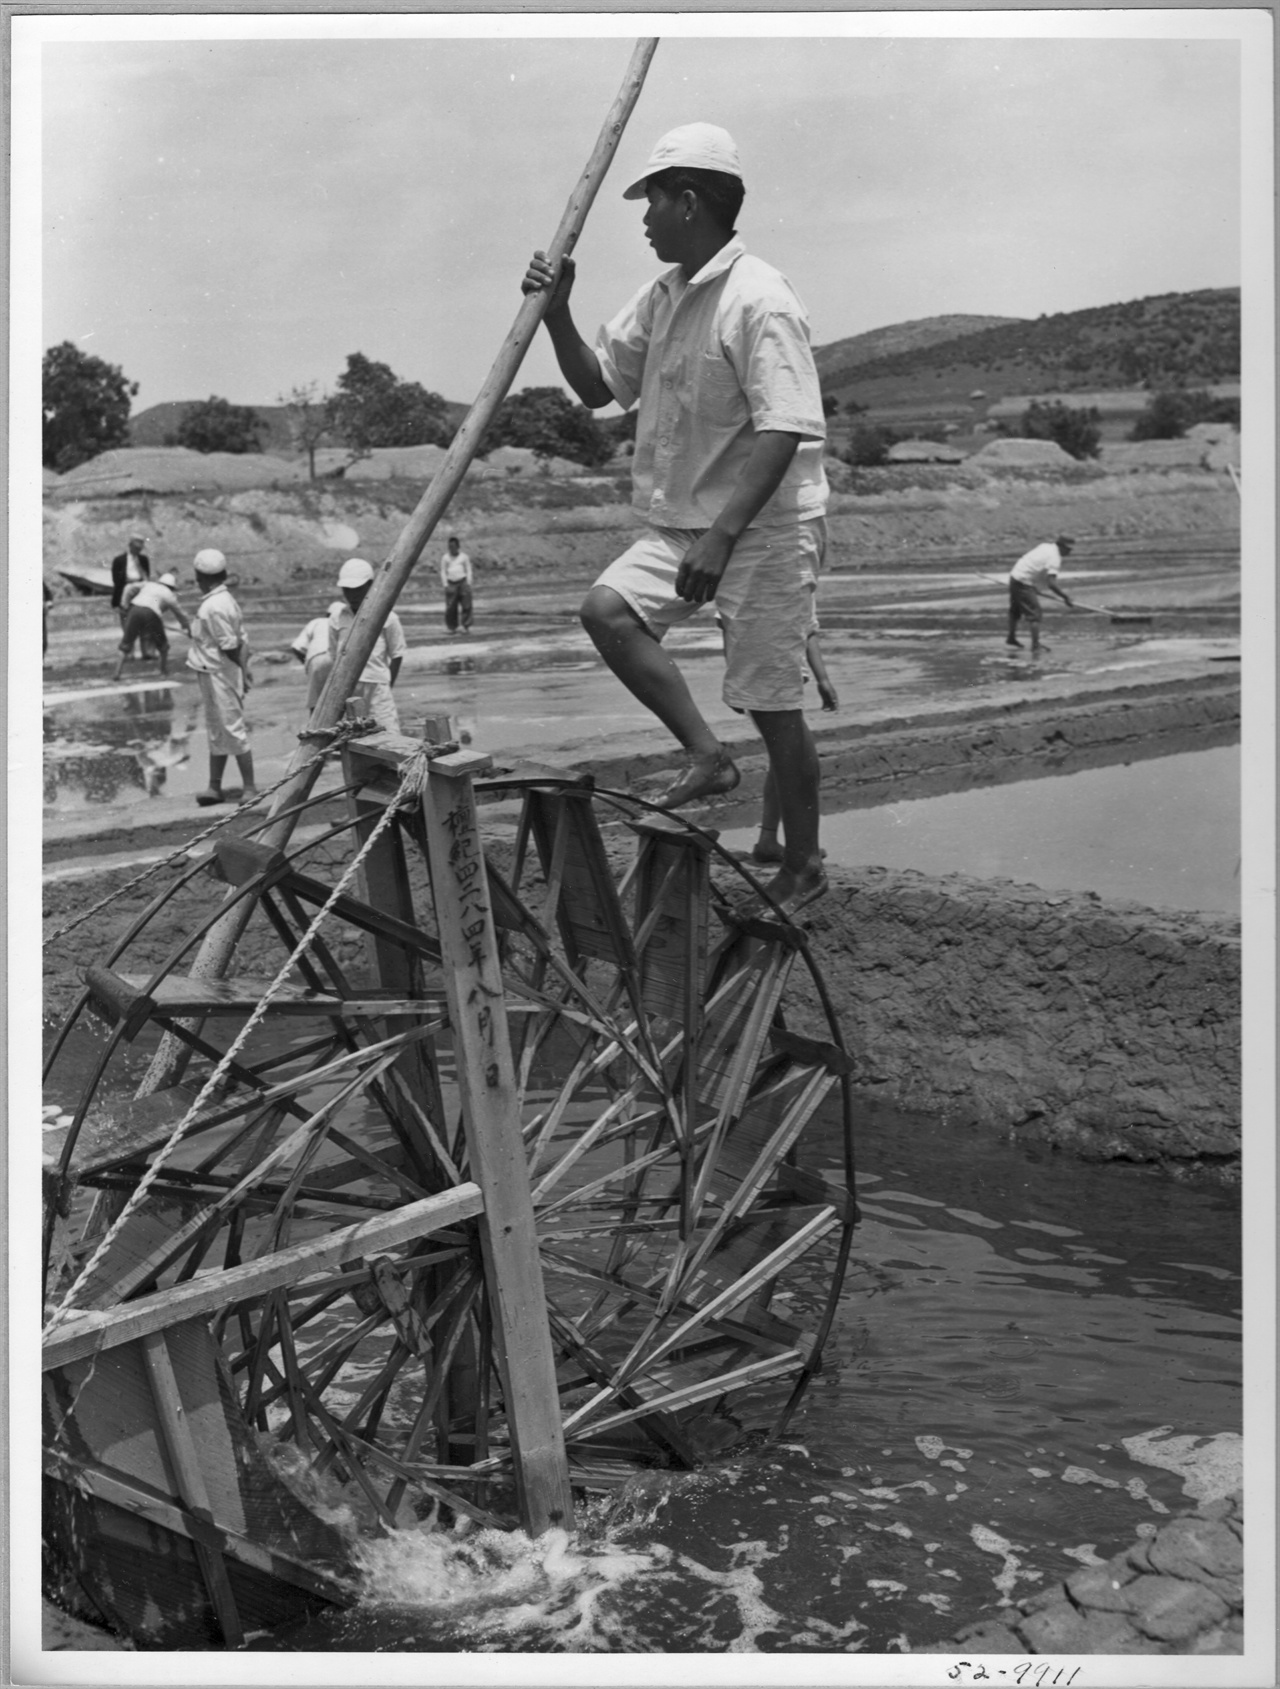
pixel 210 562
pixel 695 146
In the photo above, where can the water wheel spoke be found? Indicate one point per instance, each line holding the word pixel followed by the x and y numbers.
pixel 438 1379
pixel 598 1371
pixel 723 1303
pixel 722 1384
pixel 747 1182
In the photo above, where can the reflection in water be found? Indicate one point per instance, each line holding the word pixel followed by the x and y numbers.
pixel 1164 831
pixel 92 754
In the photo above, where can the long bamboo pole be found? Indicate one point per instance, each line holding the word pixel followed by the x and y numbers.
pixel 220 942
pixel 395 571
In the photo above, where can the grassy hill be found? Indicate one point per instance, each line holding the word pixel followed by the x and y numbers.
pixel 1171 339
pixel 899 338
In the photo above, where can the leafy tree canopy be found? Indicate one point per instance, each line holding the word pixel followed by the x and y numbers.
pixel 86 406
pixel 1168 415
pixel 869 445
pixel 547 421
pixel 216 425
pixel 1075 429
pixel 373 407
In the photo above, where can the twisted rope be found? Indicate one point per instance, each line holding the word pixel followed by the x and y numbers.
pixel 412 783
pixel 333 737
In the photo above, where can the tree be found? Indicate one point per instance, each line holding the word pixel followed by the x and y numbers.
pixel 830 404
pixel 216 425
pixel 86 406
pixel 546 420
pixel 869 445
pixel 1169 414
pixel 307 413
pixel 373 407
pixel 1077 431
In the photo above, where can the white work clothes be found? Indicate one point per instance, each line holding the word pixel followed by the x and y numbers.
pixel 390 643
pixel 455 566
pixel 217 629
pixel 1037 567
pixel 313 641
pixel 713 361
pixel 149 595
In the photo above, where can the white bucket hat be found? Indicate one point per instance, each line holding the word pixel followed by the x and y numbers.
pixel 168 580
pixel 210 562
pixel 695 146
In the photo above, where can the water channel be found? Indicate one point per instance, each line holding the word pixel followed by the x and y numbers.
pixel 1165 832
pixel 1034 1358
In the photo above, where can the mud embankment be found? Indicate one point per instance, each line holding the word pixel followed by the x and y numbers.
pixel 926 755
pixel 1110 1030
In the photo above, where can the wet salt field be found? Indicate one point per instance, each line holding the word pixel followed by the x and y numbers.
pixel 1033 1360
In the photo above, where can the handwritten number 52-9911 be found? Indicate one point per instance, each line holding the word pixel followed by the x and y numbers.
pixel 1043 1676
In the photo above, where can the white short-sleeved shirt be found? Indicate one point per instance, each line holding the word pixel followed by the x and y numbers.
pixel 390 643
pixel 454 566
pixel 149 595
pixel 313 641
pixel 217 628
pixel 713 361
pixel 1038 566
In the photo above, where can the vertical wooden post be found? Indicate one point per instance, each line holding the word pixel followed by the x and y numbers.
pixel 491 1119
pixel 181 1449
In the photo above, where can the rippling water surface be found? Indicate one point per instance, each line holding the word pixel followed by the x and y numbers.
pixel 1034 1359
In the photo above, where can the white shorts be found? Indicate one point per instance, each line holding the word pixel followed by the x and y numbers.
pixel 376 700
pixel 223 715
pixel 765 603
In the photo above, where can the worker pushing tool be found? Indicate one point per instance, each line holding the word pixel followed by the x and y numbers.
pixel 727 471
pixel 1036 571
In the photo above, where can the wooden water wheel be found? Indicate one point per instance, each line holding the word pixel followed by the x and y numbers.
pixel 689 1198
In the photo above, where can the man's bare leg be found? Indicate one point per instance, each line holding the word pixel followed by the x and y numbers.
pixel 651 676
pixel 793 763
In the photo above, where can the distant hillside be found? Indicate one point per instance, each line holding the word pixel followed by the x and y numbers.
pixel 1167 340
pixel 158 424
pixel 898 338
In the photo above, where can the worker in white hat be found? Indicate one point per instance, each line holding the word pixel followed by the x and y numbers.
pixel 379 674
pixel 145 605
pixel 219 657
pixel 727 472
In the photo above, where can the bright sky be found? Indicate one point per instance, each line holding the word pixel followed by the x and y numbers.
pixel 234 216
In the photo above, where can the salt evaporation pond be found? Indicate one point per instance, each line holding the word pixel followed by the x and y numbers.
pixel 1165 832
pixel 1034 1360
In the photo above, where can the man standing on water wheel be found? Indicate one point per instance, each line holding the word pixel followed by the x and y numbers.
pixel 727 472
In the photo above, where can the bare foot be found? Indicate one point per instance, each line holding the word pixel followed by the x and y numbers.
pixel 789 891
pixel 766 851
pixel 705 777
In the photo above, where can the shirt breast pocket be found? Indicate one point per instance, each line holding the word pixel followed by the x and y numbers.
pixel 717 396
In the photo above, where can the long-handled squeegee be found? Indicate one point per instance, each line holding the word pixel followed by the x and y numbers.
pixel 1093 609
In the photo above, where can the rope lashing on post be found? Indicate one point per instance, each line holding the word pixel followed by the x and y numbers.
pixel 333 737
pixel 412 784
